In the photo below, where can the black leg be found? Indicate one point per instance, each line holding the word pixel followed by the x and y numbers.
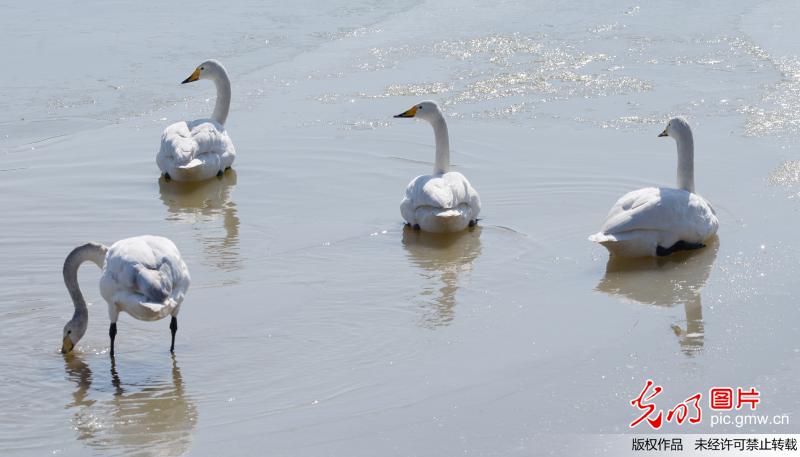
pixel 219 174
pixel 112 332
pixel 473 223
pixel 173 326
pixel 167 177
pixel 416 227
pixel 679 246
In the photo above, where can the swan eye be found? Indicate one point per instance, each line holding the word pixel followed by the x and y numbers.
pixel 201 68
pixel 69 332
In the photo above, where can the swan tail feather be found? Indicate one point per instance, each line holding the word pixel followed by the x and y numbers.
pixel 194 163
pixel 156 308
pixel 448 213
pixel 603 238
pixel 157 311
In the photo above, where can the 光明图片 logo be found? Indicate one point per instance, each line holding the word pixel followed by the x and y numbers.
pixel 690 410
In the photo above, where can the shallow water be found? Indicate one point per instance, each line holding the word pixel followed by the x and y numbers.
pixel 315 323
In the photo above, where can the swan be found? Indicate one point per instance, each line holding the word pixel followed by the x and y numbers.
pixel 143 276
pixel 443 201
pixel 659 221
pixel 200 149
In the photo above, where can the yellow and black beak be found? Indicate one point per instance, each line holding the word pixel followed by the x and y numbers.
pixel 664 133
pixel 193 77
pixel 67 345
pixel 410 113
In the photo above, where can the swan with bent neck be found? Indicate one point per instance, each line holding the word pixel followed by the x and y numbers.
pixel 143 276
pixel 444 201
pixel 659 221
pixel 200 149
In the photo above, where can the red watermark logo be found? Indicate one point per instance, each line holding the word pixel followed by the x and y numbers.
pixel 690 410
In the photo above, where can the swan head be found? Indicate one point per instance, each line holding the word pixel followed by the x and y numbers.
pixel 427 110
pixel 676 128
pixel 210 69
pixel 73 332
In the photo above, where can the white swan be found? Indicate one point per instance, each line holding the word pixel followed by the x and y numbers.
pixel 444 201
pixel 659 221
pixel 143 276
pixel 201 149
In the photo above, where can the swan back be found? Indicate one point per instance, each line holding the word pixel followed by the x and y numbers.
pixel 195 150
pixel 144 276
pixel 440 203
pixel 645 219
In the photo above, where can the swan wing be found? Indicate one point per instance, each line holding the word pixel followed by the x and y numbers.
pixel 187 146
pixel 145 273
pixel 440 203
pixel 683 215
pixel 445 191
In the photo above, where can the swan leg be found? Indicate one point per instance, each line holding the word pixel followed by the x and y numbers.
pixel 679 246
pixel 112 332
pixel 473 223
pixel 173 327
pixel 219 174
pixel 416 227
pixel 167 177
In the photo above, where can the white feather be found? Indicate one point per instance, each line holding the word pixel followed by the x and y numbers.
pixel 645 219
pixel 145 277
pixel 196 150
pixel 440 203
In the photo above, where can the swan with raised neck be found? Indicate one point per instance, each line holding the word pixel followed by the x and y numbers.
pixel 658 221
pixel 200 149
pixel 444 201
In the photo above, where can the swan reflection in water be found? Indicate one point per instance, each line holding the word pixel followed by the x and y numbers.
pixel 667 281
pixel 203 204
pixel 151 417
pixel 442 258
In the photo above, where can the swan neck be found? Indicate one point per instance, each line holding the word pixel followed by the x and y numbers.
pixel 442 146
pixel 223 103
pixel 686 162
pixel 95 253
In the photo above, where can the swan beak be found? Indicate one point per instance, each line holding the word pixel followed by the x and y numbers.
pixel 67 345
pixel 410 113
pixel 194 76
pixel 664 133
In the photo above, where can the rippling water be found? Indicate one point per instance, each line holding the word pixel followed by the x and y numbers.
pixel 316 324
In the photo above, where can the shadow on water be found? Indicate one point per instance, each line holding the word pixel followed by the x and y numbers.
pixel 206 203
pixel 442 258
pixel 151 418
pixel 667 281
